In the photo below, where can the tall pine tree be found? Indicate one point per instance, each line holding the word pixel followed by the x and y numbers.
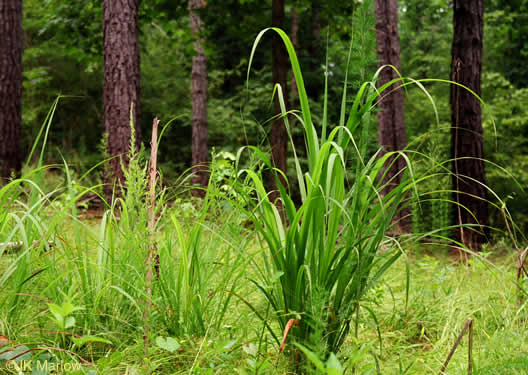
pixel 199 101
pixel 121 86
pixel 392 135
pixel 279 136
pixel 467 149
pixel 10 87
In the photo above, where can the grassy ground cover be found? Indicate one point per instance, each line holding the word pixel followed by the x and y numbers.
pixel 80 300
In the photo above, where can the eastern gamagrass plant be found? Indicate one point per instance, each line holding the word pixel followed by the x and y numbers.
pixel 323 254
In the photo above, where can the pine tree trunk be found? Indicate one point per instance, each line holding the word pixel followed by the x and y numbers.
pixel 315 49
pixel 10 87
pixel 199 102
pixel 467 148
pixel 391 124
pixel 295 43
pixel 279 136
pixel 121 86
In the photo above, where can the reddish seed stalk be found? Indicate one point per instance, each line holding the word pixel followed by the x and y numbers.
pixel 151 247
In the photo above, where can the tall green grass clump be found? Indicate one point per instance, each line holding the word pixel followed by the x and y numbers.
pixel 26 234
pixel 201 259
pixel 196 261
pixel 329 250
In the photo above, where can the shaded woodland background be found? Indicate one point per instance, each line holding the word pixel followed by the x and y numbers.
pixel 63 55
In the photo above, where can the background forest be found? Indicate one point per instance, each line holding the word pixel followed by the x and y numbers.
pixel 198 256
pixel 63 56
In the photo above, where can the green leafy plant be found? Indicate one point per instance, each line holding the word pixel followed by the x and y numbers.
pixel 62 314
pixel 167 343
pixel 325 255
pixel 62 317
pixel 331 367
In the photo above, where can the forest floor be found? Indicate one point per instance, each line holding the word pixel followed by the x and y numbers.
pixel 443 295
pixel 417 328
pixel 81 301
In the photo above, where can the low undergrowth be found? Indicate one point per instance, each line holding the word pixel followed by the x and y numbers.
pixel 99 325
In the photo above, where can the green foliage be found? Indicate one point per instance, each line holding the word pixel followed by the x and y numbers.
pixel 199 263
pixel 328 266
pixel 99 265
pixel 426 32
pixel 507 109
pixel 63 49
pixel 62 314
pixel 165 88
pixel 167 343
pixel 322 256
pixel 426 35
pixel 506 25
pixel 331 367
pixel 357 361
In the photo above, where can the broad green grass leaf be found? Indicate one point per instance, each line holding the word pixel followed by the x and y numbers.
pixel 167 343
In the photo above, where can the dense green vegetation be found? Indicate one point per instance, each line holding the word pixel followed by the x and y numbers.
pixel 81 298
pixel 240 285
pixel 64 49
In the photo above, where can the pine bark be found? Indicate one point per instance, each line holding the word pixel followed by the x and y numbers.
pixel 295 43
pixel 199 102
pixel 279 136
pixel 392 135
pixel 121 86
pixel 10 87
pixel 314 86
pixel 467 150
